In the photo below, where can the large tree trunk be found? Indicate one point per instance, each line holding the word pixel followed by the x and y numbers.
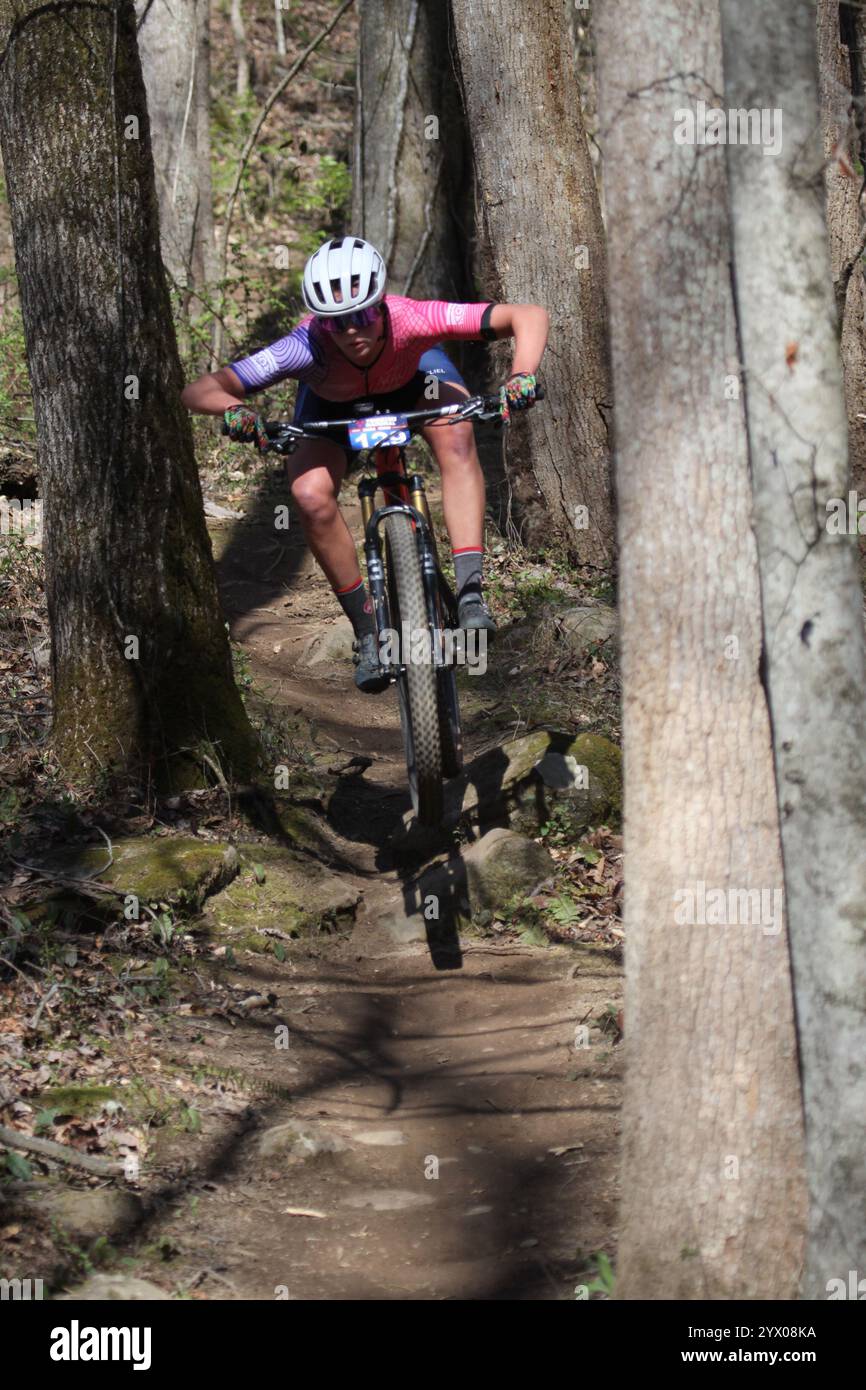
pixel 174 44
pixel 713 1190
pixel 812 602
pixel 842 75
pixel 141 665
pixel 411 189
pixel 540 216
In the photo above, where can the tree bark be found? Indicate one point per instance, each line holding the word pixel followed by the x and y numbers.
pixel 539 213
pixel 141 666
pixel 841 31
pixel 713 1190
pixel 812 602
pixel 411 190
pixel 174 44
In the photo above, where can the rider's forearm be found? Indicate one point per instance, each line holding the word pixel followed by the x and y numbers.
pixel 528 325
pixel 213 393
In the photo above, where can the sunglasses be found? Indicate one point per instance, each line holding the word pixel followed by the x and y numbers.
pixel 360 318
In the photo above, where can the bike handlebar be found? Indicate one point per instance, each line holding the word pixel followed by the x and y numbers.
pixel 482 407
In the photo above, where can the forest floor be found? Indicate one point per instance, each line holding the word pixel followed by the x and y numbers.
pixel 367 1111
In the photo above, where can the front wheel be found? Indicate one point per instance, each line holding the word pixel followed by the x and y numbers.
pixel 417 684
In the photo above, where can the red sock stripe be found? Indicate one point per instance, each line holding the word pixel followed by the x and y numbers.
pixel 469 550
pixel 352 587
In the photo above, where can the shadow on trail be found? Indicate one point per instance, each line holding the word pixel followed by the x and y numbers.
pixel 516 1246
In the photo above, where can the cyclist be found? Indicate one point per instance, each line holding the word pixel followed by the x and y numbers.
pixel 357 342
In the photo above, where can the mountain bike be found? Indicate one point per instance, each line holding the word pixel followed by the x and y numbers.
pixel 415 608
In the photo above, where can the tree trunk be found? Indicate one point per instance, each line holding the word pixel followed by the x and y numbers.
pixel 242 85
pixel 815 652
pixel 174 44
pixel 713 1191
pixel 540 215
pixel 842 76
pixel 141 666
pixel 411 185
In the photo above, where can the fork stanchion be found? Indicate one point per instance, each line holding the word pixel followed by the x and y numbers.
pixel 418 497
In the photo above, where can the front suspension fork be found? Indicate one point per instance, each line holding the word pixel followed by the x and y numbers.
pixel 431 576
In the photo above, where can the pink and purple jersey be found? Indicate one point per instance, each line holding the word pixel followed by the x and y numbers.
pixel 311 355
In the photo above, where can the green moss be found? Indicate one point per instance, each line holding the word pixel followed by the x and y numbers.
pixel 604 761
pixel 82 1101
pixel 283 890
pixel 251 941
pixel 180 871
pixel 302 825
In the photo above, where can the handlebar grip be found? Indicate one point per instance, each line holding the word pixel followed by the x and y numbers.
pixel 225 428
pixel 539 391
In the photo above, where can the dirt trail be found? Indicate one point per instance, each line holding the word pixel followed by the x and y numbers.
pixel 475 1145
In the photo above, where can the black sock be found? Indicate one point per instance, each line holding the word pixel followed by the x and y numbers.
pixel 467 571
pixel 358 607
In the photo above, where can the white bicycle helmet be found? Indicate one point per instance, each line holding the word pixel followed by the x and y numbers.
pixel 343 261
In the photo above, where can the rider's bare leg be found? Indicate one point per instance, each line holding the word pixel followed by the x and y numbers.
pixel 463 504
pixel 454 449
pixel 315 471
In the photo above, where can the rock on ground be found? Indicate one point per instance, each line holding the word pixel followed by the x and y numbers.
pixel 299 1140
pixel 527 782
pixel 582 627
pixel 487 878
pixel 89 1213
pixel 281 891
pixel 501 866
pixel 179 870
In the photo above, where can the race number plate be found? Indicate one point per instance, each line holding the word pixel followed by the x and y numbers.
pixel 378 430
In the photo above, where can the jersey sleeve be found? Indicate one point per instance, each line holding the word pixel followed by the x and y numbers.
pixel 448 320
pixel 291 356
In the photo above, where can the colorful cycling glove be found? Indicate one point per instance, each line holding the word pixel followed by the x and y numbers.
pixel 244 426
pixel 518 393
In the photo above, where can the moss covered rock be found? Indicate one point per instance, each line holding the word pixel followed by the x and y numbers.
pixel 81 1101
pixel 544 776
pixel 283 891
pixel 490 877
pixel 503 865
pixel 304 827
pixel 586 626
pixel 177 870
